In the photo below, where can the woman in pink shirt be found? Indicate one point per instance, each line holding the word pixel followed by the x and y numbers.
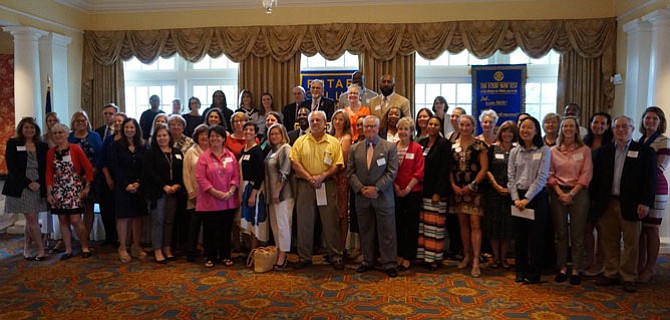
pixel 570 172
pixel 218 176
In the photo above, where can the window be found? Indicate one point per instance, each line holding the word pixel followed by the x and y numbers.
pixel 174 77
pixel 449 76
pixel 318 62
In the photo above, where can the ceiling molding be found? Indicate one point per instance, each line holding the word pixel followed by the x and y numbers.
pixel 110 6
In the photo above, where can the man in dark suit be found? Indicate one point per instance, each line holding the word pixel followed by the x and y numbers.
pixel 290 110
pixel 108 112
pixel 318 101
pixel 372 166
pixel 303 125
pixel 106 195
pixel 622 188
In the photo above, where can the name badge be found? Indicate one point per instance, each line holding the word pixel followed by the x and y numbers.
pixel 537 156
pixel 178 156
pixel 381 162
pixel 409 156
pixel 632 154
pixel 67 158
pixel 328 161
pixel 272 155
pixel 20 148
pixel 425 153
pixel 577 156
pixel 227 160
pixel 378 107
pixel 246 157
pixel 500 156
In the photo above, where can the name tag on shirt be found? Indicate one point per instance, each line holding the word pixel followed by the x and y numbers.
pixel 178 156
pixel 20 148
pixel 227 160
pixel 381 162
pixel 378 107
pixel 409 156
pixel 328 161
pixel 67 158
pixel 272 155
pixel 537 156
pixel 577 156
pixel 632 154
pixel 500 156
pixel 246 157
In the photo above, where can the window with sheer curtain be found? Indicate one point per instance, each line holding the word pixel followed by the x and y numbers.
pixel 174 77
pixel 449 76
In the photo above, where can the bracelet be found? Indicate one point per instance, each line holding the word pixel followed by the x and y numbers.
pixel 473 186
pixel 572 195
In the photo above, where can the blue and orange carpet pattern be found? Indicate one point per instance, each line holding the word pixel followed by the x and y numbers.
pixel 103 288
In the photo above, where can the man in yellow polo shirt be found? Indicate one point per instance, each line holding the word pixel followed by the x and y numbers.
pixel 316 157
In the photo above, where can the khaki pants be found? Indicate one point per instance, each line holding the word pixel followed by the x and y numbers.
pixel 613 226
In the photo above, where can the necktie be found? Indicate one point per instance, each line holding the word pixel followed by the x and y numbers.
pixel 384 101
pixel 314 105
pixel 371 149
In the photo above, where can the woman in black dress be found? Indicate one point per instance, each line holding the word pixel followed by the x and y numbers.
pixel 127 158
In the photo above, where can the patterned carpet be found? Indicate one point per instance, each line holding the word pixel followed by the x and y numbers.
pixel 103 288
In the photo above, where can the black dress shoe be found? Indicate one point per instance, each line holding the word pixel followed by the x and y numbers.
pixel 164 261
pixel 41 258
pixel 86 254
pixel 171 258
pixel 66 256
pixel 392 272
pixel 629 286
pixel 561 277
pixel 575 279
pixel 531 281
pixel 301 264
pixel 363 268
pixel 519 278
pixel 29 258
pixel 338 265
pixel 606 281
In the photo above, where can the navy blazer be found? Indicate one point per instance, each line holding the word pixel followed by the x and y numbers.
pixel 326 105
pixel 16 168
pixel 638 179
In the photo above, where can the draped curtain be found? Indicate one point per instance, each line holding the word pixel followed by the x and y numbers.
pixel 585 81
pixel 102 83
pixel 382 46
pixel 266 74
pixel 401 67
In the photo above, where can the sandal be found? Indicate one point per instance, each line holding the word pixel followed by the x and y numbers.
pixel 227 262
pixel 209 264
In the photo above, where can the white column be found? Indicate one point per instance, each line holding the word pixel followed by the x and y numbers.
pixel 638 55
pixel 27 99
pixel 53 63
pixel 659 77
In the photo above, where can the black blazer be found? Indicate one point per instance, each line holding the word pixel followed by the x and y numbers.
pixel 16 168
pixel 289 111
pixel 101 132
pixel 326 105
pixel 638 179
pixel 156 172
pixel 437 168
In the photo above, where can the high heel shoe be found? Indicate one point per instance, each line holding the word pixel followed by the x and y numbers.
pixel 464 263
pixel 137 253
pixel 475 272
pixel 124 256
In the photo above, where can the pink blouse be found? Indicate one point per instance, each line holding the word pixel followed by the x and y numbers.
pixel 570 166
pixel 218 173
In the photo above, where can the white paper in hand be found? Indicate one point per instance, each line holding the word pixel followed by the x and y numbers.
pixel 526 213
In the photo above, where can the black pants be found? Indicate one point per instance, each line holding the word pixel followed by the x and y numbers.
pixel 217 227
pixel 407 224
pixel 181 225
pixel 107 213
pixel 529 244
pixel 193 231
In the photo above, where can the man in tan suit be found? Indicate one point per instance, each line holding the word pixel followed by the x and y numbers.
pixel 380 105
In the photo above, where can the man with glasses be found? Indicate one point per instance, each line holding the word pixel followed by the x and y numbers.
pixel 365 95
pixel 623 189
pixel 318 101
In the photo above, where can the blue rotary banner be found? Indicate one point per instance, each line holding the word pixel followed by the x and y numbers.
pixel 335 82
pixel 501 87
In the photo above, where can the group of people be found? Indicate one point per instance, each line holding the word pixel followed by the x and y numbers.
pixel 358 176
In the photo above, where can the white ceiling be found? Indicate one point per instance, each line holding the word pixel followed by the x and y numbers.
pixel 107 6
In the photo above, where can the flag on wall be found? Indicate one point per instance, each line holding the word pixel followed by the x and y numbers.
pixel 48 104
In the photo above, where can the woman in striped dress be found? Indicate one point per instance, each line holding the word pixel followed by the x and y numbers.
pixel 652 128
pixel 437 164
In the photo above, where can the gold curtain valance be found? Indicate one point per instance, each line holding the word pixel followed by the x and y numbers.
pixel 589 38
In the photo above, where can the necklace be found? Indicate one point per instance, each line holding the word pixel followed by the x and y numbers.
pixel 169 161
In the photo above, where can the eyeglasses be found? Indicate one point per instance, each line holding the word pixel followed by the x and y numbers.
pixel 623 126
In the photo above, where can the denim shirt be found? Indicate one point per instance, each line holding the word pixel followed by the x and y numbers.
pixel 528 169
